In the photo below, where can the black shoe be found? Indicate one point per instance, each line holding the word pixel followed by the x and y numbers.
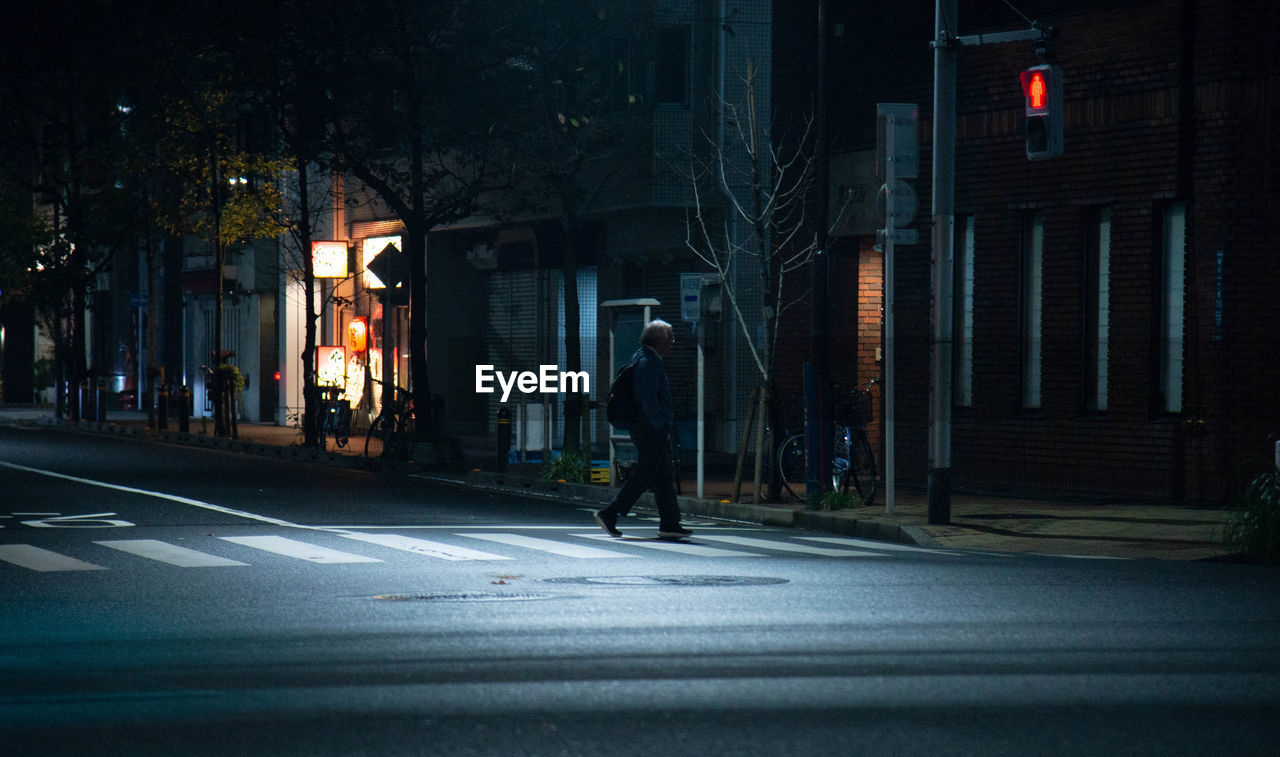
pixel 607 522
pixel 674 532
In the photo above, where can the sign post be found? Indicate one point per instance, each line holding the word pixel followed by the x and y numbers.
pixel 690 310
pixel 897 158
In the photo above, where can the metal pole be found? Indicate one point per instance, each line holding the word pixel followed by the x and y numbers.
pixel 818 459
pixel 702 405
pixel 944 149
pixel 890 207
pixel 821 329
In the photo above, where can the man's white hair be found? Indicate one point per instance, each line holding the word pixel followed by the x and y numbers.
pixel 652 329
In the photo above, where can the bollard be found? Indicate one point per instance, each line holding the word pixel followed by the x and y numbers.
pixel 100 401
pixel 504 438
pixel 184 417
pixel 86 401
pixel 162 418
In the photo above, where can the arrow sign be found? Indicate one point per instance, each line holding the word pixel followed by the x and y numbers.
pixel 390 266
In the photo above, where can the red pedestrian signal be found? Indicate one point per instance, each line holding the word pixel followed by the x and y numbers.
pixel 1042 88
pixel 1033 86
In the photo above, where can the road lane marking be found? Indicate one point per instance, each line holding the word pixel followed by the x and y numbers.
pixel 169 553
pixel 34 558
pixel 683 548
pixel 554 547
pixel 298 549
pixel 434 549
pixel 157 495
pixel 783 546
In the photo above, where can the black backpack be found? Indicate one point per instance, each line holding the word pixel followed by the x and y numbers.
pixel 621 410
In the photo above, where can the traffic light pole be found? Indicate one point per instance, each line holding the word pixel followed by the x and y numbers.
pixel 943 205
pixel 945 44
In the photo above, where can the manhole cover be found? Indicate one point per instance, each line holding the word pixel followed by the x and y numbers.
pixel 475 596
pixel 668 580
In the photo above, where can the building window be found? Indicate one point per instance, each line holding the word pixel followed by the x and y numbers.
pixel 1031 307
pixel 671 67
pixel 1172 291
pixel 963 337
pixel 1097 308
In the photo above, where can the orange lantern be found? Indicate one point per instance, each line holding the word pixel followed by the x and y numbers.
pixel 358 334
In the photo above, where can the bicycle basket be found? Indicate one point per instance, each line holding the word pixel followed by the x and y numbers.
pixel 854 409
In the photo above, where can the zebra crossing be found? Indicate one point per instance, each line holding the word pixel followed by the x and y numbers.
pixel 453 545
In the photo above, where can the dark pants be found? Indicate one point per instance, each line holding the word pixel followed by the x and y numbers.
pixel 651 472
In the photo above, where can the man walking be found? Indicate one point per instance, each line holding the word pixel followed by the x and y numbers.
pixel 651 433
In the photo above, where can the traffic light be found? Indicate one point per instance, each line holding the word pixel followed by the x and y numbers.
pixel 1042 87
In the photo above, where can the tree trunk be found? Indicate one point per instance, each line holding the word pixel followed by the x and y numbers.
pixel 310 396
pixel 573 442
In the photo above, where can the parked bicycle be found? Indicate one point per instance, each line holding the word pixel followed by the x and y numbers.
pixel 853 463
pixel 392 429
pixel 335 418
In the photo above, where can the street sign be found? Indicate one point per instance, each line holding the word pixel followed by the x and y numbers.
pixel 904 203
pixel 690 296
pixel 390 266
pixel 901 118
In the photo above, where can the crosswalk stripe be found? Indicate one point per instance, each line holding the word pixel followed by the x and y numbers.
pixel 426 547
pixel 554 547
pixel 300 550
pixel 34 558
pixel 783 546
pixel 846 542
pixel 169 553
pixel 682 547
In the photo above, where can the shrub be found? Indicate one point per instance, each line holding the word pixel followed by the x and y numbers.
pixel 565 467
pixel 1254 524
pixel 834 500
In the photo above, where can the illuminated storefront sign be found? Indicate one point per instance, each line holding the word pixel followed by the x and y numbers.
pixel 329 260
pixel 331 366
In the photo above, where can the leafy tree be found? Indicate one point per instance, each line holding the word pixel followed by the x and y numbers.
pixel 573 137
pixel 412 121
pixel 228 196
pixel 63 147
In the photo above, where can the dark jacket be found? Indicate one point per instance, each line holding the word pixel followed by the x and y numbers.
pixel 652 393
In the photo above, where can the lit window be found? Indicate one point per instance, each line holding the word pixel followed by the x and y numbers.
pixel 1032 307
pixel 1097 336
pixel 963 354
pixel 1172 290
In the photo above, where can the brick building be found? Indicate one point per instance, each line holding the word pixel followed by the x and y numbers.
pixel 1115 329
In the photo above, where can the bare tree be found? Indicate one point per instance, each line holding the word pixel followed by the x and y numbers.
pixel 769 190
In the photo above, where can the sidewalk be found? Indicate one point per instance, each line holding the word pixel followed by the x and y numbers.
pixel 1129 529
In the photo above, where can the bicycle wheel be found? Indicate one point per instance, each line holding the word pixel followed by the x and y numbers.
pixel 862 468
pixel 342 424
pixel 400 445
pixel 841 460
pixel 382 429
pixel 791 467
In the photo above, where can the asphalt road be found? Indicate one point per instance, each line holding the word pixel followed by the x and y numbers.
pixel 170 600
